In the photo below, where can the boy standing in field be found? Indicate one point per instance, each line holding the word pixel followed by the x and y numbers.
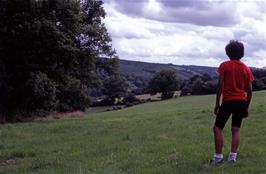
pixel 234 80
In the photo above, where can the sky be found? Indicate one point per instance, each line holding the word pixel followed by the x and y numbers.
pixel 186 32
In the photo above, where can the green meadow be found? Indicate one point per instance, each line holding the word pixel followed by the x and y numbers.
pixel 171 136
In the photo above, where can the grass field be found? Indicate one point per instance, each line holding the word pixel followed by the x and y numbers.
pixel 172 136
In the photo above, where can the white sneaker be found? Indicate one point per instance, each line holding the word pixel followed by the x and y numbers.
pixel 232 157
pixel 216 161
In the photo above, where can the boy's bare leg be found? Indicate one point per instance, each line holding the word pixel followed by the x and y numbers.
pixel 218 139
pixel 235 139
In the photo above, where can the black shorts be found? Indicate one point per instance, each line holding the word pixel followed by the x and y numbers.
pixel 235 107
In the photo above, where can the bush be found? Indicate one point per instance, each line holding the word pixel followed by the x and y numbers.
pixel 41 94
pixel 185 91
pixel 130 98
pixel 72 95
pixel 167 95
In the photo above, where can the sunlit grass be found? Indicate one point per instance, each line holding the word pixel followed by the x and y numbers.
pixel 172 136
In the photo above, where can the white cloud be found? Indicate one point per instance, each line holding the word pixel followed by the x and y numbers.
pixel 152 39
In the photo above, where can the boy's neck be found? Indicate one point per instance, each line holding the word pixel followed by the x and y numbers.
pixel 235 59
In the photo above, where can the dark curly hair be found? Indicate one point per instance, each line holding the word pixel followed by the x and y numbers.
pixel 234 50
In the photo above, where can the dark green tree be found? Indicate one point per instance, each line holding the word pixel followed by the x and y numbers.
pixel 165 82
pixel 48 54
pixel 197 86
pixel 115 87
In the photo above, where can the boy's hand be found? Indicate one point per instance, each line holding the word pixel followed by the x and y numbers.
pixel 216 109
pixel 245 115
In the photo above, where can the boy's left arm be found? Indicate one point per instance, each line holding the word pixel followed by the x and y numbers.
pixel 248 85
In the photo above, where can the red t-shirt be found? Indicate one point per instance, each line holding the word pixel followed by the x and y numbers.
pixel 235 77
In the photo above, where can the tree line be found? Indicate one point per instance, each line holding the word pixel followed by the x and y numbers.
pixel 167 82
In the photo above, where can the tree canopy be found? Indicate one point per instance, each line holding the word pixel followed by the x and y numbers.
pixel 165 82
pixel 49 52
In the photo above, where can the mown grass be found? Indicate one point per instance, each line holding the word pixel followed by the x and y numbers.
pixel 172 136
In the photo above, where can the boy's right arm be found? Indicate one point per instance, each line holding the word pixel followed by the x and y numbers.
pixel 218 94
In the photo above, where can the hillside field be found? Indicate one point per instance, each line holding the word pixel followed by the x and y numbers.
pixel 171 136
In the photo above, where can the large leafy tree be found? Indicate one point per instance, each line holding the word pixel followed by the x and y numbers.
pixel 165 82
pixel 199 84
pixel 114 87
pixel 49 51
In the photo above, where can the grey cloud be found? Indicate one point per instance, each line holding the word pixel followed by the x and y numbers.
pixel 129 7
pixel 195 12
pixel 197 4
pixel 199 17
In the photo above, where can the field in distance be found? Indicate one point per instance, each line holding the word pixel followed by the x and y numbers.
pixel 171 136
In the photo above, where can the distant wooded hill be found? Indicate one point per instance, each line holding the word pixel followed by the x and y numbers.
pixel 146 70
